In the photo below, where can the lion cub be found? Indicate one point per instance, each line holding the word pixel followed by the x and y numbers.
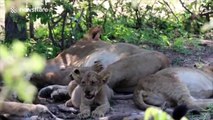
pixel 92 90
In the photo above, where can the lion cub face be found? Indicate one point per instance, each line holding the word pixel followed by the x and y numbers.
pixel 90 82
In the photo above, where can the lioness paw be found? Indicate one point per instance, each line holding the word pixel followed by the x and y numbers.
pixel 98 66
pixel 84 114
pixel 96 114
pixel 53 93
pixel 60 95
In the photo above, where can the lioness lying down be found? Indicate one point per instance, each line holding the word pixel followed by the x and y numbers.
pixel 83 54
pixel 122 74
pixel 126 72
pixel 176 86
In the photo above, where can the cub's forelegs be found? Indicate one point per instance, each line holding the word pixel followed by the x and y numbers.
pixel 101 110
pixel 71 87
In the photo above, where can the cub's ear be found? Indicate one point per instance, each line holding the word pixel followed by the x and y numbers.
pixel 71 77
pixel 76 75
pixel 94 33
pixel 105 77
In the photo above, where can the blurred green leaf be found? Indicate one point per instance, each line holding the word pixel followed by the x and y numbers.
pixel 3 52
pixel 157 114
pixel 18 49
pixel 15 68
pixel 37 63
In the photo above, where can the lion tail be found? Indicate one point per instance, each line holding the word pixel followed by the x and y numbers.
pixel 122 97
pixel 179 112
pixel 138 100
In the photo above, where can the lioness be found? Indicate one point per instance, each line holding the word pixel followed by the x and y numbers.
pixel 83 54
pixel 175 86
pixel 58 68
pixel 122 74
pixel 125 73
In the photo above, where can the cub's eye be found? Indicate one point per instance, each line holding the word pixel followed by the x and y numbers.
pixel 93 83
pixel 83 82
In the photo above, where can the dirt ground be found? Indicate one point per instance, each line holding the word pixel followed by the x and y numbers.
pixel 199 56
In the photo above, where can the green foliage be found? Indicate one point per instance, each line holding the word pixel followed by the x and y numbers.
pixel 43 47
pixel 202 116
pixel 151 36
pixel 179 45
pixel 16 66
pixel 157 114
pixel 155 23
pixel 121 33
pixel 183 44
pixel 41 33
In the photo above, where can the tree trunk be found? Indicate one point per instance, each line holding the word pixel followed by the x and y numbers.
pixel 89 14
pixel 31 29
pixel 15 29
pixel 2 18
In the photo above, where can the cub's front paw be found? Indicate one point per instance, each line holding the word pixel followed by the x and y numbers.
pixel 84 114
pixel 69 103
pixel 97 114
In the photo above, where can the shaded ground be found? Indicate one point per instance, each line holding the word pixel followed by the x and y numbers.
pixel 121 110
pixel 203 54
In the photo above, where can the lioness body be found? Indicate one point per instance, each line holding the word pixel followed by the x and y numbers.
pixel 199 82
pixel 83 54
pixel 175 86
pixel 125 73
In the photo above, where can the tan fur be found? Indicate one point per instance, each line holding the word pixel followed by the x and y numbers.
pixel 172 85
pixel 198 81
pixel 22 109
pixel 97 67
pixel 89 92
pixel 126 72
pixel 83 54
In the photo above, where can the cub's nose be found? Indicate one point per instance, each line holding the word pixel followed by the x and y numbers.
pixel 87 92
